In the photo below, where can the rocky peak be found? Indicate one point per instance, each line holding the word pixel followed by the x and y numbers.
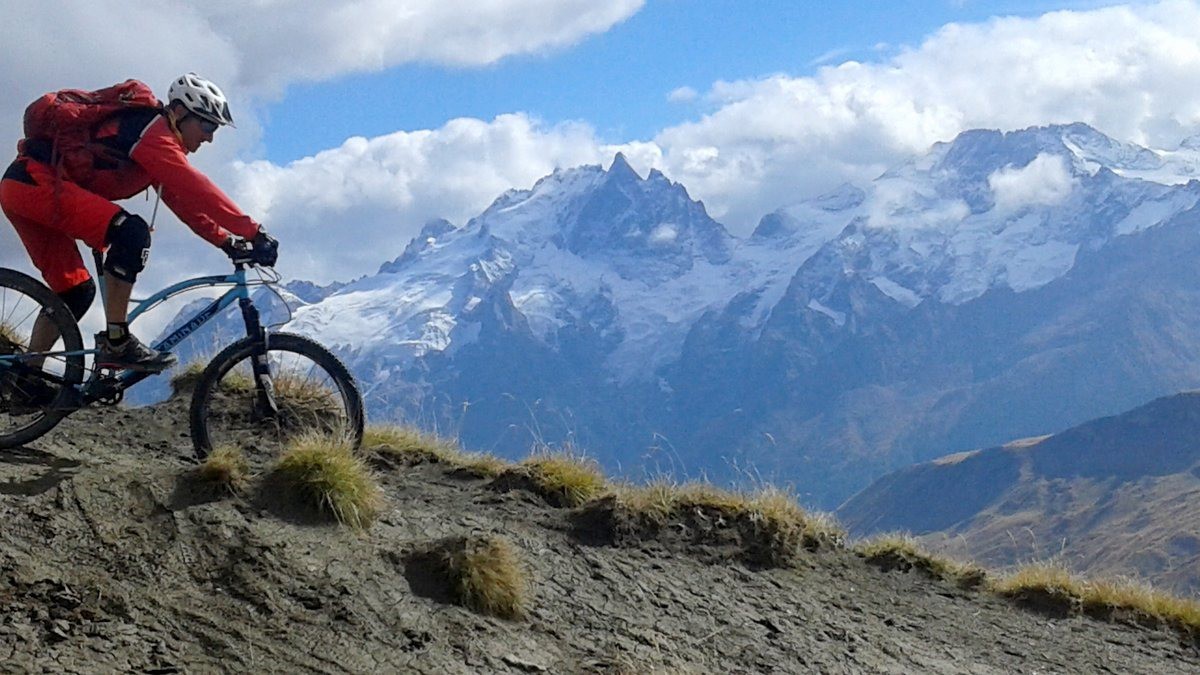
pixel 430 233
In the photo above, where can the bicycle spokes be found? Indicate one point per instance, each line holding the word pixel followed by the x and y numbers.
pixel 39 367
pixel 291 395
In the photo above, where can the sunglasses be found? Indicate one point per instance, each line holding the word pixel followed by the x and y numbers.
pixel 207 126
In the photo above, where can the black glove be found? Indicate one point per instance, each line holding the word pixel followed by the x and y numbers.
pixel 266 249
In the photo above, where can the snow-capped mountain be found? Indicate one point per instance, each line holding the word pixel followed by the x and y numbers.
pixel 850 334
pixel 581 243
pixel 988 210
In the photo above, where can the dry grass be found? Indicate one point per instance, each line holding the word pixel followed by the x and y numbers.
pixel 765 528
pixel 1108 595
pixel 1053 587
pixel 1052 578
pixel 770 509
pixel 326 474
pixel 899 551
pixel 565 478
pixel 9 334
pixel 408 444
pixel 185 379
pixel 486 574
pixel 291 388
pixel 225 466
pixel 779 510
pixel 414 447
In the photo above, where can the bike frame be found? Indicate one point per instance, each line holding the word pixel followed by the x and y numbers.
pixel 98 387
pixel 94 388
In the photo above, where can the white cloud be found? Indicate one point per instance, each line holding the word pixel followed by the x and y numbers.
pixel 683 95
pixel 266 45
pixel 1045 181
pixel 898 203
pixel 370 35
pixel 664 234
pixel 256 49
pixel 1131 71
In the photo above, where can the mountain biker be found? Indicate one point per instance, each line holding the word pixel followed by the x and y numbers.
pixel 135 148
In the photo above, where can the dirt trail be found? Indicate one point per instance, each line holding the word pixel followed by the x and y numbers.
pixel 111 561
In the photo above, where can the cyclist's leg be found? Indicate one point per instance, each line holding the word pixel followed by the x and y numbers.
pixel 57 258
pixel 49 214
pixel 58 212
pixel 44 201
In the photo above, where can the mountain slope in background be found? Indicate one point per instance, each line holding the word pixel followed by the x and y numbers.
pixel 1114 496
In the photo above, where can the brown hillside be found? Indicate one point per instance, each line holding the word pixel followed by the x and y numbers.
pixel 1118 496
pixel 113 557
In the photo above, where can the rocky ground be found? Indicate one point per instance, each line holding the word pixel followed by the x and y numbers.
pixel 112 560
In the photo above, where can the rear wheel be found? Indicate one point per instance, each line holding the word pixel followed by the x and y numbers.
pixel 312 389
pixel 35 392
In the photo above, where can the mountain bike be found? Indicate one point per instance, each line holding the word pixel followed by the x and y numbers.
pixel 267 386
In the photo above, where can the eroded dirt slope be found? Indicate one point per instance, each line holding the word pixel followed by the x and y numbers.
pixel 110 560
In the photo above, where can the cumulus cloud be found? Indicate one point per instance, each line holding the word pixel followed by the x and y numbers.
pixel 683 95
pixel 267 45
pixel 1131 71
pixel 1044 181
pixel 254 50
pixel 367 35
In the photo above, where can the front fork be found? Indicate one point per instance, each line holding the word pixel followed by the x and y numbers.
pixel 265 405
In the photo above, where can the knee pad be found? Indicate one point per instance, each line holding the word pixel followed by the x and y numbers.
pixel 128 242
pixel 79 298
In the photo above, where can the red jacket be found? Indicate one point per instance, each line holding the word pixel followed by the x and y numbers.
pixel 145 152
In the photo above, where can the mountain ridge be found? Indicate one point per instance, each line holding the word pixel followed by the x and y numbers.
pixel 1114 496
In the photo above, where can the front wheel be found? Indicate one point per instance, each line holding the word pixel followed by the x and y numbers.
pixel 311 389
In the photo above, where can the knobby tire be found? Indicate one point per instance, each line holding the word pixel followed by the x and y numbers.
pixel 220 412
pixel 19 429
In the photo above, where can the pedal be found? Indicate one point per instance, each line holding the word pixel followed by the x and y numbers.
pixel 107 390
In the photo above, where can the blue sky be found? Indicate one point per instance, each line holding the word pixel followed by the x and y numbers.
pixel 619 81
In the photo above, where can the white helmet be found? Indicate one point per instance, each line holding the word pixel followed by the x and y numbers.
pixel 201 97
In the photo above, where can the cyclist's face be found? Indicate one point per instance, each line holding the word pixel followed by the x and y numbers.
pixel 196 131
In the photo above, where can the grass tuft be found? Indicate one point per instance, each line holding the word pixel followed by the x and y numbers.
pixel 185 379
pixel 1041 576
pixel 412 446
pixel 327 475
pixel 487 575
pixel 777 511
pixel 768 527
pixel 292 388
pixel 408 444
pixel 565 478
pixel 225 466
pixel 1109 598
pixel 900 551
pixel 1053 588
pixel 8 334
